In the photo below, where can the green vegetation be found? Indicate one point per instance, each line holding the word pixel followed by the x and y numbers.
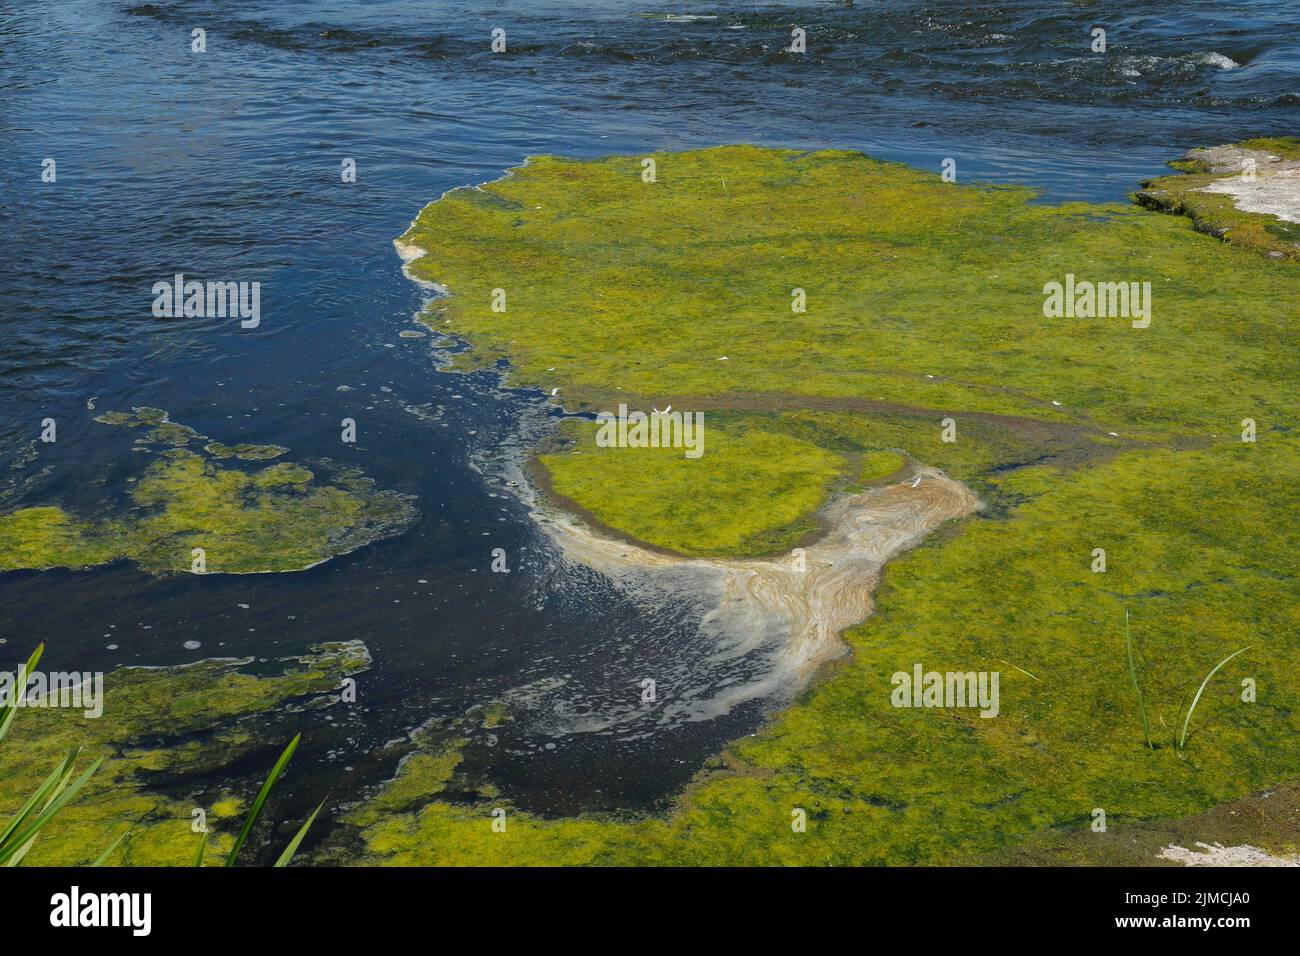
pixel 920 294
pixel 879 465
pixel 19 834
pixel 277 519
pixel 1182 737
pixel 159 726
pixel 1217 213
pixel 244 451
pixel 924 302
pixel 1137 686
pixel 653 494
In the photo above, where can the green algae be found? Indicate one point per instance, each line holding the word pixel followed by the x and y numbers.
pixel 47 537
pixel 244 451
pixel 919 293
pixel 924 304
pixel 170 433
pixel 276 519
pixel 1014 595
pixel 879 464
pixel 187 513
pixel 1216 213
pixel 159 725
pixel 652 493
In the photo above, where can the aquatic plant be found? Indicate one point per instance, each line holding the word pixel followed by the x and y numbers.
pixel 287 855
pixel 195 719
pixel 280 518
pixel 57 789
pixel 924 301
pixel 1137 688
pixel 1217 213
pixel 1182 738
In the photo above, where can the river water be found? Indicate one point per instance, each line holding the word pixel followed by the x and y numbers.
pixel 226 164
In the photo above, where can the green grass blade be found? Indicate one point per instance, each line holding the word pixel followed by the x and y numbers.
pixel 292 848
pixel 203 845
pixel 99 860
pixel 1132 670
pixel 1182 740
pixel 11 708
pixel 45 792
pixel 261 798
pixel 23 836
pixel 17 858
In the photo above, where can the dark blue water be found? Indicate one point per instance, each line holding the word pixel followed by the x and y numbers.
pixel 225 164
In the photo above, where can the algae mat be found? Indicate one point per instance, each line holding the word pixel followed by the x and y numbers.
pixel 187 513
pixel 864 309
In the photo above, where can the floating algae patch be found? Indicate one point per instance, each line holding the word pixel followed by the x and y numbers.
pixel 924 312
pixel 161 430
pixel 1247 194
pixel 275 519
pixel 278 518
pixel 244 451
pixel 48 537
pixel 159 727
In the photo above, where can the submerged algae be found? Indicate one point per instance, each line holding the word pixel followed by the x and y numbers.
pixel 924 303
pixel 277 519
pixel 159 725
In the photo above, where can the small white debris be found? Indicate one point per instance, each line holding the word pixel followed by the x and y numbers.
pixel 192 645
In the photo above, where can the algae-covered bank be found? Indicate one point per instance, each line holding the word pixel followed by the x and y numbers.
pixel 847 327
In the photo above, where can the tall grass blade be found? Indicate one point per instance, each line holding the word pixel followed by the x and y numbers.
pixel 261 798
pixel 1132 670
pixel 99 860
pixel 292 848
pixel 1182 740
pixel 11 708
pixel 203 845
pixel 65 793
pixel 43 792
